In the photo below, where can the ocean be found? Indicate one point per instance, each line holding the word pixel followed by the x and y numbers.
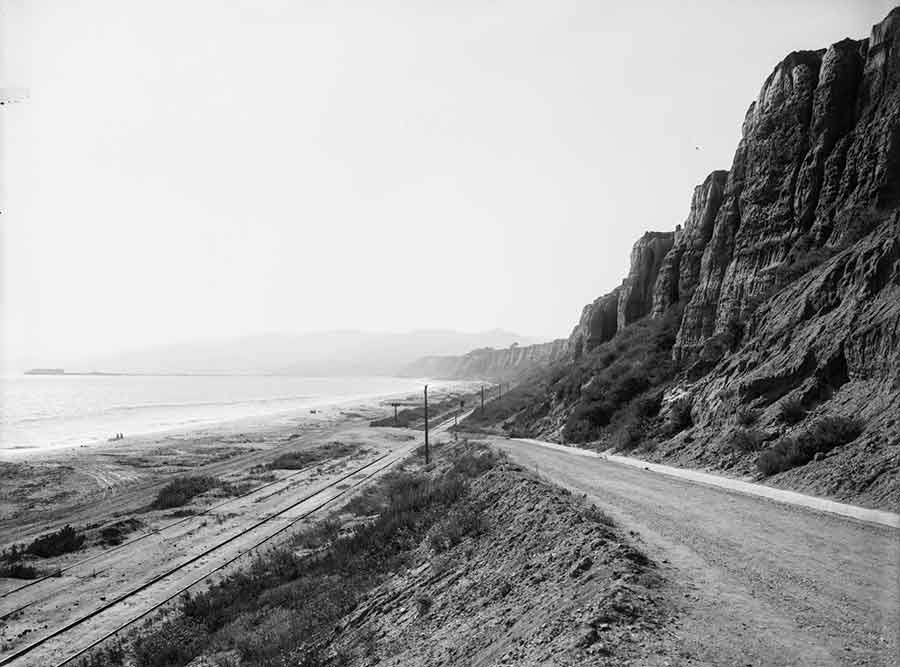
pixel 40 412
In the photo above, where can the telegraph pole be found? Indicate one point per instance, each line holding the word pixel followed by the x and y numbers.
pixel 427 456
pixel 482 399
pixel 499 391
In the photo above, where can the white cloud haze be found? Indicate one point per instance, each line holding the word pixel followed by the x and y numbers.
pixel 192 169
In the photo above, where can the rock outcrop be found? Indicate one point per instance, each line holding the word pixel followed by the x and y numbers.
pixel 599 322
pixel 488 362
pixel 680 270
pixel 629 302
pixel 636 298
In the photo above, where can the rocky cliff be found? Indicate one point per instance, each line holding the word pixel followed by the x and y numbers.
pixel 783 285
pixel 488 363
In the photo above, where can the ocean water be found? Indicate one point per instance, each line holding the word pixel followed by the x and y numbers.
pixel 40 412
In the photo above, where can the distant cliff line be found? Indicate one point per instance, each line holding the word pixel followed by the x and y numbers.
pixel 488 363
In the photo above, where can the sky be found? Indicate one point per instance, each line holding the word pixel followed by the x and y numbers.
pixel 185 170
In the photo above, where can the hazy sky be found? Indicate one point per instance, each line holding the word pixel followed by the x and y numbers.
pixel 192 169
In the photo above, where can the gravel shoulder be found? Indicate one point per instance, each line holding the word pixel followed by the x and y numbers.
pixel 766 583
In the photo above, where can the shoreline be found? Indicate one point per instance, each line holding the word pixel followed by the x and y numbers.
pixel 325 408
pixel 57 486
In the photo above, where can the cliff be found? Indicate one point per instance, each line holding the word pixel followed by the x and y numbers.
pixel 488 363
pixel 782 288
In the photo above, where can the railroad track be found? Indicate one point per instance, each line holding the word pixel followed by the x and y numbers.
pixel 369 470
pixel 143 536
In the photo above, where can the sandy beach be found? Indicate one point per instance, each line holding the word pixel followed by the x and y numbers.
pixel 41 490
pixel 113 487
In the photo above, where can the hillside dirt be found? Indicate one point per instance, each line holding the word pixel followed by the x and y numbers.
pixel 763 583
pixel 549 581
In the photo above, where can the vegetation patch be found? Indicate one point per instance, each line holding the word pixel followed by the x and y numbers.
pixel 820 438
pixel 515 402
pixel 680 415
pixel 308 457
pixel 744 440
pixel 281 608
pixel 115 533
pixel 63 541
pixel 745 416
pixel 14 560
pixel 182 490
pixel 18 570
pixel 791 411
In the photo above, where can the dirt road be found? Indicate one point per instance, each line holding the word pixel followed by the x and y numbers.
pixel 761 582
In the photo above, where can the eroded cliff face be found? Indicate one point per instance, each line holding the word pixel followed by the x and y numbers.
pixel 818 156
pixel 680 270
pixel 817 168
pixel 598 323
pixel 647 255
pixel 629 302
pixel 787 270
pixel 489 363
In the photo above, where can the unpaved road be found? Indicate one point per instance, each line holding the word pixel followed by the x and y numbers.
pixel 761 582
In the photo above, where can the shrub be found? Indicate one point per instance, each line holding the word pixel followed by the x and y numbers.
pixel 596 515
pixel 64 540
pixel 680 414
pixel 115 533
pixel 745 416
pixel 648 406
pixel 455 528
pixel 174 644
pixel 423 603
pixel 829 432
pixel 803 263
pixel 307 457
pixel 613 376
pixel 791 411
pixel 823 436
pixel 745 440
pixel 474 462
pixel 182 490
pixel 630 435
pixel 19 571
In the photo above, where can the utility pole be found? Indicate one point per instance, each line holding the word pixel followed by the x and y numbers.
pixel 395 412
pixel 482 399
pixel 499 391
pixel 427 456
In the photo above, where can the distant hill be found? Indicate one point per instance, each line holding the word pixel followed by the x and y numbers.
pixel 318 353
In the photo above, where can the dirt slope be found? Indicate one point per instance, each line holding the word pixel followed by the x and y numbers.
pixel 765 583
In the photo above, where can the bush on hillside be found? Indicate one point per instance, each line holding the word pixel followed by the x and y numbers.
pixel 680 415
pixel 745 440
pixel 630 368
pixel 791 411
pixel 182 490
pixel 64 540
pixel 745 416
pixel 820 438
pixel 18 571
pixel 275 611
pixel 305 458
